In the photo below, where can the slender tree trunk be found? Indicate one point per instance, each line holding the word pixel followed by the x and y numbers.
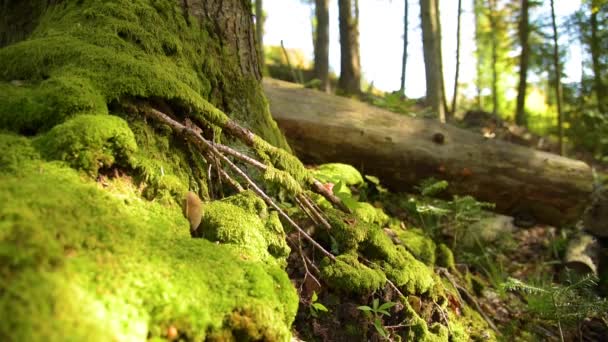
pixel 524 32
pixel 322 43
pixel 404 60
pixel 432 57
pixel 259 30
pixel 455 96
pixel 479 54
pixel 350 61
pixel 596 51
pixel 558 82
pixel 437 19
pixel 493 28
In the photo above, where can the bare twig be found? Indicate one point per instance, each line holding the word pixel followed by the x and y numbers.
pixel 470 298
pixel 198 139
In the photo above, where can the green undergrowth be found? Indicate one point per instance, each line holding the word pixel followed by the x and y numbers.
pixel 81 262
pixel 372 247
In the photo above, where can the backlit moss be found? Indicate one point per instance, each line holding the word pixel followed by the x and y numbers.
pixel 89 263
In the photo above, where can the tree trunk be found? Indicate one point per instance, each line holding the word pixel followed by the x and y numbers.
pixel 479 54
pixel 494 42
pixel 403 151
pixel 84 72
pixel 431 41
pixel 558 82
pixel 596 51
pixel 259 29
pixel 322 43
pixel 404 58
pixel 350 61
pixel 524 32
pixel 455 96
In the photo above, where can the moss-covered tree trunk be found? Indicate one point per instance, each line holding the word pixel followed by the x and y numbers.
pixel 93 244
pixel 214 47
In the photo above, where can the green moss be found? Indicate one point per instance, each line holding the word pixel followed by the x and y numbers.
pixel 336 172
pixel 106 265
pixel 445 257
pixel 87 55
pixel 35 107
pixel 420 245
pixel 349 275
pixel 370 214
pixel 247 226
pixel 89 142
pixel 370 241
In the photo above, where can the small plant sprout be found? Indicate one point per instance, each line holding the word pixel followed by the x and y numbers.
pixel 375 312
pixel 316 307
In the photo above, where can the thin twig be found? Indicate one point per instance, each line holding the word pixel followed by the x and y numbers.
pixel 443 315
pixel 390 283
pixel 306 210
pixel 470 298
pixel 308 203
pixel 198 138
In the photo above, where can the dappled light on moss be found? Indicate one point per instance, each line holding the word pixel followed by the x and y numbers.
pixel 123 272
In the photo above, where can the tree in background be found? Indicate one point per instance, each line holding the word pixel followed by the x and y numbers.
pixel 595 42
pixel 495 67
pixel 456 75
pixel 405 42
pixel 557 81
pixel 431 42
pixel 524 33
pixel 321 43
pixel 259 30
pixel 492 17
pixel 350 60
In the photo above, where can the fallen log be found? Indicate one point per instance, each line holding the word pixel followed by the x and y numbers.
pixel 402 151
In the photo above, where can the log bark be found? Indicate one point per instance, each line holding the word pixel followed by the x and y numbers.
pixel 402 151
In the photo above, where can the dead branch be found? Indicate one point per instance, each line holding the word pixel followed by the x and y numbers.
pixel 206 145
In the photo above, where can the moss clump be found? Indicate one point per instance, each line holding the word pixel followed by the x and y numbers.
pixel 349 275
pixel 35 107
pixel 370 241
pixel 79 261
pixel 247 225
pixel 370 214
pixel 445 257
pixel 89 142
pixel 420 245
pixel 336 172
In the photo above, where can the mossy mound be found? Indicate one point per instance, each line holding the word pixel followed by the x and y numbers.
pixel 243 220
pixel 78 262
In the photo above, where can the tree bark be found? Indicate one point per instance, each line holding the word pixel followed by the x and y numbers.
pixel 259 29
pixel 405 42
pixel 494 47
pixel 403 151
pixel 558 82
pixel 431 41
pixel 322 43
pixel 524 32
pixel 457 74
pixel 350 61
pixel 596 51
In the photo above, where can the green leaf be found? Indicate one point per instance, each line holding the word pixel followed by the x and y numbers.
pixel 364 308
pixel 387 305
pixel 384 312
pixel 375 304
pixel 320 307
pixel 373 179
pixel 314 296
pixel 380 328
